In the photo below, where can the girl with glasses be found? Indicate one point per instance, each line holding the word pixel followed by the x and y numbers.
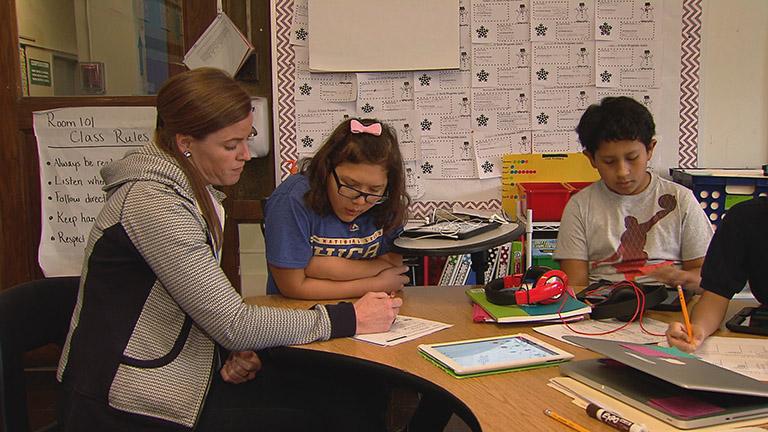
pixel 329 229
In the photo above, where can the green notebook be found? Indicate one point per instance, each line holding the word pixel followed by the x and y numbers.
pixel 521 314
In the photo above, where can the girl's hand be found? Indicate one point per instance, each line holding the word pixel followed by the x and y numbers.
pixel 240 367
pixel 393 279
pixel 677 336
pixel 375 312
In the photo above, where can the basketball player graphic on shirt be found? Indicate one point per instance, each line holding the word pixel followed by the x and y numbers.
pixel 630 256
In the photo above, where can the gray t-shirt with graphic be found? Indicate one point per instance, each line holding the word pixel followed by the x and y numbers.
pixel 620 234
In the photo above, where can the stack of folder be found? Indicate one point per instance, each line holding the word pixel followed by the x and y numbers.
pixel 572 309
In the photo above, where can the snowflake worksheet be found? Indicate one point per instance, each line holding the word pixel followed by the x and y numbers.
pixel 562 64
pixel 628 65
pixel 408 134
pixel 488 152
pixel 500 110
pixel 443 113
pixel 315 121
pixel 447 157
pixel 499 22
pixel 326 87
pixel 300 23
pixel 626 20
pixel 501 65
pixel 560 108
pixel 384 91
pixel 562 21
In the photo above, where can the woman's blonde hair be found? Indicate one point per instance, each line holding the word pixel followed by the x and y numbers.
pixel 198 103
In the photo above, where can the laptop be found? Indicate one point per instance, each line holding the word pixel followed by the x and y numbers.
pixel 672 386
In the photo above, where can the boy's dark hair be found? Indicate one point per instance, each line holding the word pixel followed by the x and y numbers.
pixel 615 119
pixel 344 146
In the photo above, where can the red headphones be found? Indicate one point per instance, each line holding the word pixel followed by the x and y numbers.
pixel 538 285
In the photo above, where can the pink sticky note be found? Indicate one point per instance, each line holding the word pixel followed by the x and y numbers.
pixel 685 406
pixel 648 350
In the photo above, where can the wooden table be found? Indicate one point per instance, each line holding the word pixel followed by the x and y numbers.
pixel 503 402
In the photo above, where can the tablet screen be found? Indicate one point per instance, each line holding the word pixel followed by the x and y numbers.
pixel 505 350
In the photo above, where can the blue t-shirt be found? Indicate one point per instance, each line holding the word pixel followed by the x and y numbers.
pixel 294 233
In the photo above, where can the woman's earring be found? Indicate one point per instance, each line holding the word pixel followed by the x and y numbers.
pixel 187 154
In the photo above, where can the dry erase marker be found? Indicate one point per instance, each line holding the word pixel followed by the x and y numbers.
pixel 565 421
pixel 614 420
pixel 687 319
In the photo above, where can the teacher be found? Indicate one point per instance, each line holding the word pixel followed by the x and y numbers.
pixel 159 338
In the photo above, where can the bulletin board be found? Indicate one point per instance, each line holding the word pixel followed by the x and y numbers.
pixel 527 69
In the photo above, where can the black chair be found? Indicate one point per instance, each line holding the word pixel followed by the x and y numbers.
pixel 32 315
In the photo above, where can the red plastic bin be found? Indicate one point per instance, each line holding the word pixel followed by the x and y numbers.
pixel 577 186
pixel 547 200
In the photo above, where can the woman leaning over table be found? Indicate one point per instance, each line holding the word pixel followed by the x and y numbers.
pixel 159 339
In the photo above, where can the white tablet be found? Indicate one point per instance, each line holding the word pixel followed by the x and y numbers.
pixel 495 353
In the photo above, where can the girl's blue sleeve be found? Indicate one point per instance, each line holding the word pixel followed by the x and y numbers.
pixel 287 231
pixel 389 240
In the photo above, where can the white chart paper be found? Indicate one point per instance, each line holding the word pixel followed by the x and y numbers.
pixel 74 144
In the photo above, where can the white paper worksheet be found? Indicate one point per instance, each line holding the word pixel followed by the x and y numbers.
pixel 747 356
pixel 327 87
pixel 632 333
pixel 499 21
pixel 562 21
pixel 501 65
pixel 315 121
pixel 627 20
pixel 404 328
pixel 380 92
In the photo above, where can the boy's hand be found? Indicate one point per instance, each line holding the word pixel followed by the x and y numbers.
pixel 240 367
pixel 677 336
pixel 375 312
pixel 674 276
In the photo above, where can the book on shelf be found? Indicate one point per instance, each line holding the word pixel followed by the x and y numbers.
pixel 532 313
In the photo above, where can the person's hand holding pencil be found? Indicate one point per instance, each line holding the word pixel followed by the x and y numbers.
pixel 685 336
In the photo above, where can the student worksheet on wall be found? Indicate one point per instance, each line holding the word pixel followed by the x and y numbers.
pixel 527 70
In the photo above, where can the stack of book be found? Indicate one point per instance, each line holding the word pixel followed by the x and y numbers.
pixel 555 312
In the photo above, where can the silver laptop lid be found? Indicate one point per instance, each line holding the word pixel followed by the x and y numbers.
pixel 682 408
pixel 676 367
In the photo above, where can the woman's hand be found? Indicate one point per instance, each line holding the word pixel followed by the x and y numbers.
pixel 677 336
pixel 375 312
pixel 240 367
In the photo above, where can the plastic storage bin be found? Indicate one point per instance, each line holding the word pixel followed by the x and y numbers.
pixel 547 200
pixel 719 189
pixel 577 186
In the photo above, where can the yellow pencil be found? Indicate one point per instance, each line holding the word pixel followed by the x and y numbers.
pixel 687 319
pixel 565 421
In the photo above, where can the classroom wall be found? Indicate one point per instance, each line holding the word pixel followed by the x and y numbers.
pixel 733 128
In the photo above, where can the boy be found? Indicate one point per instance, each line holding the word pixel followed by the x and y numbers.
pixel 631 224
pixel 736 255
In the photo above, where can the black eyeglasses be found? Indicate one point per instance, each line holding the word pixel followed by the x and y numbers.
pixel 353 194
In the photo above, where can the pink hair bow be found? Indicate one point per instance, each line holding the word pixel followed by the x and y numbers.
pixel 357 127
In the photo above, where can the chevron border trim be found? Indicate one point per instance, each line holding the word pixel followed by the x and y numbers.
pixel 690 62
